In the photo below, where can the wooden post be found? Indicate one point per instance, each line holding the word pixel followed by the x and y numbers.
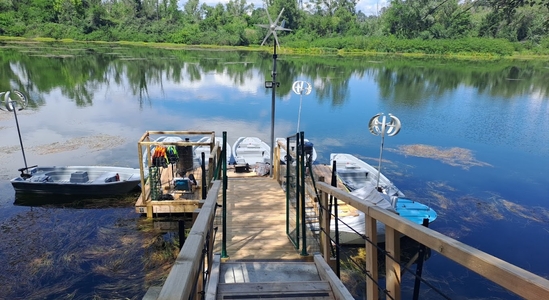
pixel 325 225
pixel 372 292
pixel 211 170
pixel 201 203
pixel 392 267
pixel 144 196
pixel 276 163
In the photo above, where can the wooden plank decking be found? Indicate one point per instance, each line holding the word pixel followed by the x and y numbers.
pixel 256 220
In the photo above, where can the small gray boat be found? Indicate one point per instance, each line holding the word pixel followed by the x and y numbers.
pixel 97 181
pixel 361 180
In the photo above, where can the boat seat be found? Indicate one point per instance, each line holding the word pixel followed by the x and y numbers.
pixel 253 146
pixel 79 177
pixel 250 150
pixel 41 178
pixel 106 177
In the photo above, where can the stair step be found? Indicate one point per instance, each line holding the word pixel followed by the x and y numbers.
pixel 317 290
pixel 258 271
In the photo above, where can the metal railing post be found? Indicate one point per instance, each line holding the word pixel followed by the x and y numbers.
pixel 224 208
pixel 302 192
pixel 336 220
pixel 297 204
pixel 288 166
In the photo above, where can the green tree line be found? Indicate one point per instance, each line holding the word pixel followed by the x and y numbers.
pixel 423 26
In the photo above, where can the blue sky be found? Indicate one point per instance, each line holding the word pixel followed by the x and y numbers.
pixel 368 7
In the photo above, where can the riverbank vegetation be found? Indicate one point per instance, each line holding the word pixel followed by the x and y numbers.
pixel 458 27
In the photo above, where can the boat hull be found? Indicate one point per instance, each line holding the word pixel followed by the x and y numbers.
pixel 361 180
pixel 251 151
pixel 355 173
pixel 406 208
pixel 78 181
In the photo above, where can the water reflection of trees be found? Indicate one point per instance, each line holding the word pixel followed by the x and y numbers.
pixel 79 72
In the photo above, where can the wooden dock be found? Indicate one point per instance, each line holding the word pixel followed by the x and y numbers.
pixel 183 202
pixel 256 220
pixel 261 262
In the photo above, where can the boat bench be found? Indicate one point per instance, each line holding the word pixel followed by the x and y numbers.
pixel 106 177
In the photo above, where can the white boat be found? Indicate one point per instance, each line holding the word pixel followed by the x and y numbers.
pixel 251 151
pixel 77 180
pixel 206 149
pixel 360 179
pixel 355 173
pixel 308 144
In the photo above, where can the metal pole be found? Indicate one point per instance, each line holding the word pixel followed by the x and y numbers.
pixel 336 219
pixel 287 178
pixel 299 114
pixel 381 150
pixel 273 108
pixel 19 133
pixel 297 191
pixel 224 208
pixel 204 183
pixel 302 192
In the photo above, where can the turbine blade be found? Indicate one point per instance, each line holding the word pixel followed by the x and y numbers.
pixel 276 39
pixel 280 14
pixel 266 37
pixel 263 25
pixel 269 16
pixel 282 28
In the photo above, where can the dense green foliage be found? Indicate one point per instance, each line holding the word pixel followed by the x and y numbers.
pixel 417 26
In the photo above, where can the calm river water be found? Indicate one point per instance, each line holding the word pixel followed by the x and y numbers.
pixel 474 145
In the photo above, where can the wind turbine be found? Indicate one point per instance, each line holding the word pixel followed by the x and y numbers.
pixel 301 87
pixel 273 27
pixel 380 125
pixel 19 103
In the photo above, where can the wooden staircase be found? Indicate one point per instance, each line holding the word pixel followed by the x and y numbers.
pixel 319 290
pixel 277 280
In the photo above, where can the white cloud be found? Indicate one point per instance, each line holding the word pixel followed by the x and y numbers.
pixel 368 7
pixel 371 7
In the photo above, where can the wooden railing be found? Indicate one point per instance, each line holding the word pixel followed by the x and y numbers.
pixel 510 277
pixel 186 276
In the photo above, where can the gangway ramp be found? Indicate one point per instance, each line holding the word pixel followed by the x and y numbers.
pixel 261 262
pixel 256 220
